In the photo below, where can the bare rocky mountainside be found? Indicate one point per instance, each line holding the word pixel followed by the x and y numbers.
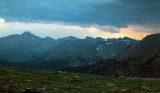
pixel 140 60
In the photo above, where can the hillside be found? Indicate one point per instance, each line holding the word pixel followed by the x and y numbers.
pixel 14 80
pixel 140 60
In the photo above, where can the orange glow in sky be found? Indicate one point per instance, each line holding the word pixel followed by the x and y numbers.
pixel 129 32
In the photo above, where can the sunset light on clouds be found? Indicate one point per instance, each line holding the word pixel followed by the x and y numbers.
pixel 129 32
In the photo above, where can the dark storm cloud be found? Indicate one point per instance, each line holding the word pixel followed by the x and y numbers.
pixel 118 13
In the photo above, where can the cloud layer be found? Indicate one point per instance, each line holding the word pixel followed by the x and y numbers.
pixel 118 13
pixel 80 18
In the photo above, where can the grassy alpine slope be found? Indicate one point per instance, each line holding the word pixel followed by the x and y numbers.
pixel 15 80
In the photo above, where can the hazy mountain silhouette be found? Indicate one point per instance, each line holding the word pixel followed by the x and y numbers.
pixel 73 52
pixel 27 46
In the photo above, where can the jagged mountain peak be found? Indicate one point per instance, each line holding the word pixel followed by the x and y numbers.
pixel 48 38
pixel 72 38
pixel 28 34
pixel 89 38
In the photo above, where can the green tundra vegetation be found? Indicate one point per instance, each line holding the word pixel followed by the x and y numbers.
pixel 15 80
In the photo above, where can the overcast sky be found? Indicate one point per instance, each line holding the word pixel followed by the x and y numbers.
pixel 80 18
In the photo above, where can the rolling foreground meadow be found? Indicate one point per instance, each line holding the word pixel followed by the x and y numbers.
pixel 14 80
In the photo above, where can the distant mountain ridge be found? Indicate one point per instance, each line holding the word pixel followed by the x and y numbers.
pixel 20 48
pixel 27 46
pixel 73 52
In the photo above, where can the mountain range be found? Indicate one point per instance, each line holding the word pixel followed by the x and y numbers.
pixel 84 55
pixel 30 51
pixel 20 48
pixel 139 60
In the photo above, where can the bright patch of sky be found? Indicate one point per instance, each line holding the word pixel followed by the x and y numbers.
pixel 59 30
pixel 2 20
